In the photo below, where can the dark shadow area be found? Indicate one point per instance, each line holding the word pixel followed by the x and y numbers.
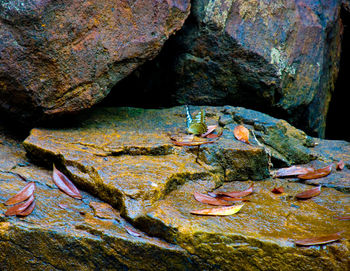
pixel 339 109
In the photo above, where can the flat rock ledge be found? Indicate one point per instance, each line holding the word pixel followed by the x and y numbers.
pixel 123 157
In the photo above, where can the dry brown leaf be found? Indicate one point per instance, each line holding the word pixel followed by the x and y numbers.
pixel 19 208
pixel 131 231
pixel 310 193
pixel 28 210
pixel 210 200
pixel 278 190
pixel 211 129
pixel 64 184
pixel 103 210
pixel 226 198
pixel 235 194
pixel 292 171
pixel 22 195
pixel 317 173
pixel 241 133
pixel 221 211
pixel 319 240
pixel 340 165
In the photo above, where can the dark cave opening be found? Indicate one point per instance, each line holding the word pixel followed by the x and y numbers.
pixel 336 124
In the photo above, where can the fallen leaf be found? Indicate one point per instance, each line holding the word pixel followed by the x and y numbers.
pixel 103 210
pixel 29 210
pixel 131 231
pixel 307 194
pixel 319 240
pixel 241 133
pixel 278 190
pixel 292 171
pixel 22 195
pixel 317 173
pixel 195 141
pixel 65 184
pixel 235 194
pixel 221 211
pixel 346 217
pixel 63 206
pixel 340 165
pixel 226 198
pixel 211 129
pixel 210 200
pixel 19 208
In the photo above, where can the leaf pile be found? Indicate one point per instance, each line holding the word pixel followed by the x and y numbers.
pixel 23 202
pixel 224 199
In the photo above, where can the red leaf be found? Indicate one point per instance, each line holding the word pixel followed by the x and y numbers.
pixel 317 173
pixel 19 208
pixel 340 165
pixel 65 184
pixel 307 194
pixel 241 133
pixel 278 190
pixel 131 231
pixel 221 211
pixel 293 171
pixel 63 206
pixel 235 194
pixel 29 210
pixel 22 195
pixel 211 129
pixel 319 240
pixel 222 197
pixel 210 200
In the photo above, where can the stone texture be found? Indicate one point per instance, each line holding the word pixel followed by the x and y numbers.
pixel 64 234
pixel 279 57
pixel 123 156
pixel 64 56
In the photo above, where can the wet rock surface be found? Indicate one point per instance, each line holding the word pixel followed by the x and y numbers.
pixel 123 156
pixel 61 57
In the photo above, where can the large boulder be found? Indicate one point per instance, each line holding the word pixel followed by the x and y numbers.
pixel 124 157
pixel 64 56
pixel 279 57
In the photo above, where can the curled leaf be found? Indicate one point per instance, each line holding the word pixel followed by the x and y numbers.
pixel 310 193
pixel 292 171
pixel 319 240
pixel 191 140
pixel 131 231
pixel 235 194
pixel 28 210
pixel 103 210
pixel 19 208
pixel 210 200
pixel 278 190
pixel 340 165
pixel 317 173
pixel 211 129
pixel 226 198
pixel 65 184
pixel 22 195
pixel 241 133
pixel 221 211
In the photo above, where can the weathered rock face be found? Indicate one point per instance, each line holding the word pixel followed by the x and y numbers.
pixel 274 56
pixel 124 157
pixel 58 57
pixel 67 234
